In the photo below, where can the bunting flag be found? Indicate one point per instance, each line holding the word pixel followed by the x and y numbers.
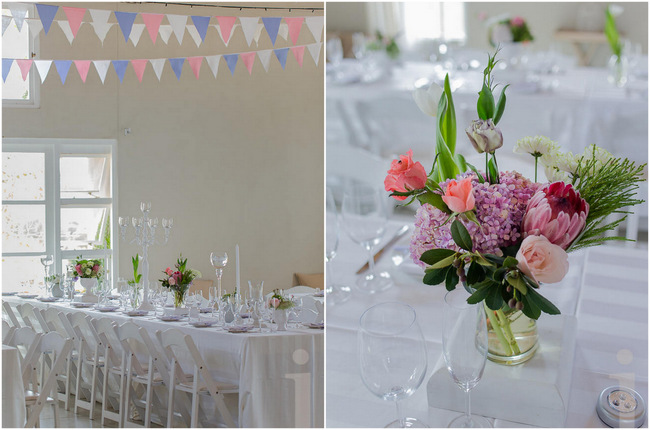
pixel 120 68
pixel 231 61
pixel 43 67
pixel 294 26
pixel 265 58
pixel 100 16
pixel 195 64
pixel 314 50
pixel 165 32
pixel 6 66
pixel 248 58
pixel 82 67
pixel 65 26
pixel 139 67
pixel 152 21
pixel 101 29
pixel 249 27
pixel 125 20
pixel 213 62
pixel 298 53
pixel 283 31
pixel 6 20
pixel 177 66
pixel 315 26
pixel 18 12
pixel 102 68
pixel 272 25
pixel 282 56
pixel 194 33
pixel 46 12
pixel 226 24
pixel 62 67
pixel 24 67
pixel 35 27
pixel 136 32
pixel 158 65
pixel 201 24
pixel 75 16
pixel 178 23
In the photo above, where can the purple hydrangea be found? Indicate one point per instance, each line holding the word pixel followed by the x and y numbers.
pixel 500 209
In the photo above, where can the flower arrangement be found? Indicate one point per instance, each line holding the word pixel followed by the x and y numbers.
pixel 498 233
pixel 278 301
pixel 179 280
pixel 504 29
pixel 88 268
pixel 384 43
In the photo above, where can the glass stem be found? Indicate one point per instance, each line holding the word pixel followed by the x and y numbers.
pixel 371 261
pixel 400 415
pixel 468 407
pixel 330 275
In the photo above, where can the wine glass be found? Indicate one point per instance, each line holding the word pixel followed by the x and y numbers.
pixel 464 346
pixel 334 49
pixel 392 355
pixel 47 261
pixel 336 293
pixel 359 45
pixel 364 218
pixel 218 261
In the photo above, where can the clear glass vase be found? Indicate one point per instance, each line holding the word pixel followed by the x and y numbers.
pixel 179 298
pixel 512 336
pixel 618 70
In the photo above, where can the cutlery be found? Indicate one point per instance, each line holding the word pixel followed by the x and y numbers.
pixel 401 232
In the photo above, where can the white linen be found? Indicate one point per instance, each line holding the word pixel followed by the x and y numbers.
pixel 13 390
pixel 611 344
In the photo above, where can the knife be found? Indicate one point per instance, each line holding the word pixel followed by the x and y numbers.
pixel 401 232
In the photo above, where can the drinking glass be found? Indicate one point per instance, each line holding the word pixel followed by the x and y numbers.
pixel 364 218
pixel 464 346
pixel 218 261
pixel 359 45
pixel 336 293
pixel 392 355
pixel 47 261
pixel 334 52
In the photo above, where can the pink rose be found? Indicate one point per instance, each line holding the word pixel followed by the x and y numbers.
pixel 78 268
pixel 405 175
pixel 171 281
pixel 459 196
pixel 169 271
pixel 517 21
pixel 275 303
pixel 541 260
pixel 96 268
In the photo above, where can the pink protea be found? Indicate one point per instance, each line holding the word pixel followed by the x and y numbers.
pixel 556 212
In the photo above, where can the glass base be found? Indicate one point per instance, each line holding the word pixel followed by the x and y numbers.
pixel 337 294
pixel 374 283
pixel 407 423
pixel 475 421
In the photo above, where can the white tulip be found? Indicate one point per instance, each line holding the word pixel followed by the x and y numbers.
pixel 427 100
pixel 615 10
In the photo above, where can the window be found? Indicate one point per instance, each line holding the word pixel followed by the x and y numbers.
pixel 433 20
pixel 20 45
pixel 57 199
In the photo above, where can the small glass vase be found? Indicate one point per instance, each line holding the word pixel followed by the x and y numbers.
pixel 618 69
pixel 512 336
pixel 179 298
pixel 280 317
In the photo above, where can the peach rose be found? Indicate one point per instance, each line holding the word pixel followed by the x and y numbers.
pixel 542 260
pixel 274 303
pixel 405 175
pixel 459 196
pixel 171 281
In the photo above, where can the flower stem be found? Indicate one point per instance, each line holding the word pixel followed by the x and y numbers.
pixel 497 330
pixel 507 332
pixel 536 168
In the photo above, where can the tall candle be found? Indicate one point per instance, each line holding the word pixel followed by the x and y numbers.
pixel 237 264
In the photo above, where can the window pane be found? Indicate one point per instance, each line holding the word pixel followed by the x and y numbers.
pixel 85 177
pixel 22 274
pixel 84 228
pixel 15 44
pixel 23 176
pixel 23 228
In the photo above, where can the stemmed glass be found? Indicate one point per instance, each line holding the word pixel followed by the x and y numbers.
pixel 464 346
pixel 47 261
pixel 392 355
pixel 364 218
pixel 336 293
pixel 218 261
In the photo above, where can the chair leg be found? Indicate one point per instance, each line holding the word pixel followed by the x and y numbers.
pixel 195 410
pixel 170 407
pixel 56 414
pixel 147 410
pixel 78 386
pixel 93 387
pixel 104 398
pixel 66 403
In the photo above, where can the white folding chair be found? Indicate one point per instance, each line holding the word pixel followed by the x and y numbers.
pixel 301 289
pixel 31 317
pixel 11 315
pixel 201 382
pixel 57 347
pixel 7 332
pixel 26 341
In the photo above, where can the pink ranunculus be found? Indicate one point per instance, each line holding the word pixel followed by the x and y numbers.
pixel 178 277
pixel 171 280
pixel 169 271
pixel 459 196
pixel 96 268
pixel 275 303
pixel 557 212
pixel 405 175
pixel 78 268
pixel 541 260
pixel 517 21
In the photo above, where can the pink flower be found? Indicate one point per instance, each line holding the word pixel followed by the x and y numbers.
pixel 96 268
pixel 405 175
pixel 169 271
pixel 275 303
pixel 178 277
pixel 541 260
pixel 78 268
pixel 171 281
pixel 517 21
pixel 557 212
pixel 459 196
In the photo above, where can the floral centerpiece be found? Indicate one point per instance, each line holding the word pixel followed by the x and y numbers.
pixel 135 281
pixel 505 29
pixel 500 234
pixel 179 280
pixel 280 304
pixel 384 43
pixel 88 271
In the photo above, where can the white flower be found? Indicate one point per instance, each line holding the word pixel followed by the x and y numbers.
pixel 615 10
pixel 427 100
pixel 601 155
pixel 554 175
pixel 566 162
pixel 536 146
pixel 88 271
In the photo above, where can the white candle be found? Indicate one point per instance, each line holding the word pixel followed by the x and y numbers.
pixel 237 264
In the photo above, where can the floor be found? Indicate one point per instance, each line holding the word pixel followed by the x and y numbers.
pixel 68 419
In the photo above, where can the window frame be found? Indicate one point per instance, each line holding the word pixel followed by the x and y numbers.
pixel 53 149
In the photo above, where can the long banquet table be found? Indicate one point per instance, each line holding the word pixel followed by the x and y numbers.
pixel 280 374
pixel 608 294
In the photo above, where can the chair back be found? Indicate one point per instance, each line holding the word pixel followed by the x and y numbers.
pixel 11 315
pixel 301 289
pixel 88 342
pixel 53 322
pixel 31 317
pixel 106 330
pixel 26 341
pixel 133 345
pixel 7 332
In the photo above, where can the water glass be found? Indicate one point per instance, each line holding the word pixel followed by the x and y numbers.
pixel 336 293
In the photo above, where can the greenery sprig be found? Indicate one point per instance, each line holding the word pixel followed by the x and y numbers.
pixel 612 33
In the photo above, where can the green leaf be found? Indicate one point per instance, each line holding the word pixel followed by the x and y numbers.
pixel 451 280
pixel 471 216
pixel 515 280
pixel 499 274
pixel 542 303
pixel 501 105
pixel 432 256
pixel 475 273
pixel 448 123
pixel 510 262
pixel 493 300
pixel 461 236
pixel 433 185
pixel 529 282
pixel 494 259
pixel 530 309
pixel 444 262
pixel 510 251
pixel 612 33
pixel 435 200
pixel 446 167
pixel 435 276
pixel 485 104
pixel 481 179
pixel 479 295
pixel 493 171
pixel 482 261
pixel 461 163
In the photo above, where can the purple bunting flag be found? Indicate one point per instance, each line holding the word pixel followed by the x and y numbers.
pixel 201 23
pixel 177 66
pixel 120 68
pixel 272 25
pixel 231 60
pixel 62 67
pixel 282 55
pixel 46 12
pixel 125 19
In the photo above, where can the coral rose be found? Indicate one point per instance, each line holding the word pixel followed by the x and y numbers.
pixel 541 260
pixel 459 196
pixel 405 175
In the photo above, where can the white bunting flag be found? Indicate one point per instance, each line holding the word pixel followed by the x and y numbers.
pixel 223 39
pixel 178 23
pixel 258 33
pixel 6 20
pixel 213 62
pixel 283 31
pixel 165 32
pixel 35 27
pixel 65 26
pixel 314 50
pixel 101 29
pixel 136 32
pixel 249 27
pixel 315 25
pixel 265 58
pixel 18 11
pixel 100 16
pixel 102 67
pixel 158 64
pixel 43 67
pixel 195 34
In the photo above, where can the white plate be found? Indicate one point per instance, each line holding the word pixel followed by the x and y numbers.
pixel 315 325
pixel 107 308
pixel 136 313
pixel 205 310
pixel 242 329
pixel 47 299
pixel 27 296
pixel 201 324
pixel 82 304
pixel 170 318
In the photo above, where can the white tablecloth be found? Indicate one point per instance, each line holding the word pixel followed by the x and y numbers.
pixel 280 375
pixel 13 391
pixel 611 344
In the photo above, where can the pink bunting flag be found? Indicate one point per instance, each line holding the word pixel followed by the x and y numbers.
pixel 139 66
pixel 75 16
pixel 226 23
pixel 248 58
pixel 152 22
pixel 195 64
pixel 82 67
pixel 299 53
pixel 295 24
pixel 24 65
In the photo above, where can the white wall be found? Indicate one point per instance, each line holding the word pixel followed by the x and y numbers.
pixel 234 160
